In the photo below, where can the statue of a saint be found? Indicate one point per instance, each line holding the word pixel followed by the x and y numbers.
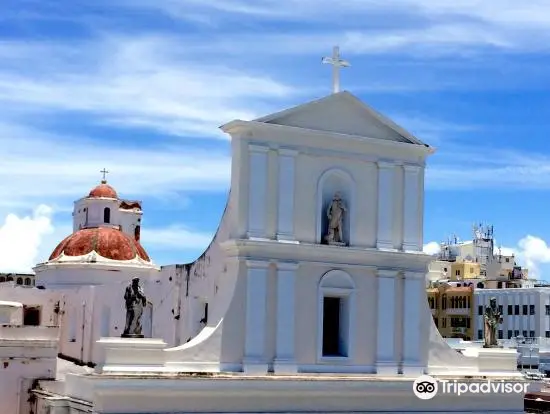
pixel 135 302
pixel 492 319
pixel 335 215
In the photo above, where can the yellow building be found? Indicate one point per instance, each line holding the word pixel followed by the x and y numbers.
pixel 452 310
pixel 464 270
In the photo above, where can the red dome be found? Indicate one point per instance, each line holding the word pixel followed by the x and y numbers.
pixel 108 242
pixel 103 190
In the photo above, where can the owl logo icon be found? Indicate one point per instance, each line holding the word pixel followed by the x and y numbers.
pixel 425 387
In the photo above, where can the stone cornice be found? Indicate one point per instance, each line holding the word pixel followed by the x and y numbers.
pixel 314 253
pixel 303 392
pixel 289 134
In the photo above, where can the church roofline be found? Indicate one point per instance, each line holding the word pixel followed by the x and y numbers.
pixel 238 125
pixel 349 96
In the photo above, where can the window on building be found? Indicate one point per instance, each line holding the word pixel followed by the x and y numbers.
pixel 444 302
pixel 27 281
pixel 499 285
pixel 469 302
pixel 480 310
pixel 333 326
pixel 137 231
pixel 525 309
pixel 31 315
pixel 531 309
pixel 106 215
pixel 19 281
pixel 9 279
pixel 531 334
pixel 507 260
pixel 500 334
pixel 444 322
pixel 516 333
pixel 471 269
pixel 547 334
pixel 460 322
pixel 547 309
pixel 2 279
pixel 444 269
pixel 500 309
pixel 516 309
pixel 510 312
pixel 524 334
pixel 479 334
pixel 509 334
pixel 457 272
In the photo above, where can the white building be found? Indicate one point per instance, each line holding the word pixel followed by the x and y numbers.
pixel 525 311
pixel 26 279
pixel 284 319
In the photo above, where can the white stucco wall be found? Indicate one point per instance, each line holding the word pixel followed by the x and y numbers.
pixel 276 228
pixel 46 300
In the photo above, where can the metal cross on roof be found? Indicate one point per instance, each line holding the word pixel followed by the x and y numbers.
pixel 104 172
pixel 336 63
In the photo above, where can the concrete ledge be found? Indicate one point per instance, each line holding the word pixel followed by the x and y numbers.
pixel 497 359
pixel 241 393
pixel 413 371
pixel 387 369
pixel 284 367
pixel 130 354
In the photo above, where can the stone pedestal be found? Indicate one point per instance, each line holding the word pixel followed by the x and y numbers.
pixel 132 336
pixel 130 355
pixel 497 360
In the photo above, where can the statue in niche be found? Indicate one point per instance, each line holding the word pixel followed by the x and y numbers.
pixel 492 318
pixel 135 302
pixel 335 215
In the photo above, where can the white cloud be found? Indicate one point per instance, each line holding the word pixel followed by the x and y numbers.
pixel 175 237
pixel 21 239
pixel 72 164
pixel 531 252
pixel 148 81
pixel 399 25
pixel 432 248
pixel 460 168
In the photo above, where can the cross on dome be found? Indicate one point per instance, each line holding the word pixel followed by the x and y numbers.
pixel 336 63
pixel 104 172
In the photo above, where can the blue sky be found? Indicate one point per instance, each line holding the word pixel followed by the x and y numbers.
pixel 140 87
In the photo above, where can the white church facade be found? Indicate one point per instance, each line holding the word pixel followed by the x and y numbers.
pixel 310 297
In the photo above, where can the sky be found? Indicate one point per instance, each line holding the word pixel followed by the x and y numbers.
pixel 140 87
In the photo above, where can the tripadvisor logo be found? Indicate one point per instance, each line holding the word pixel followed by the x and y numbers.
pixel 426 387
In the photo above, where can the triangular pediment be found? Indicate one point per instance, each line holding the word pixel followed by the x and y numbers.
pixel 342 113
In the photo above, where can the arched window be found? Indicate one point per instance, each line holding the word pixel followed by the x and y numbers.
pixel 336 310
pixel 444 302
pixel 137 232
pixel 106 215
pixel 480 285
pixel 2 279
pixel 9 279
pixel 19 280
pixel 27 281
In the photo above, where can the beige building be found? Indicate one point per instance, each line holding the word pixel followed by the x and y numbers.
pixel 451 309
